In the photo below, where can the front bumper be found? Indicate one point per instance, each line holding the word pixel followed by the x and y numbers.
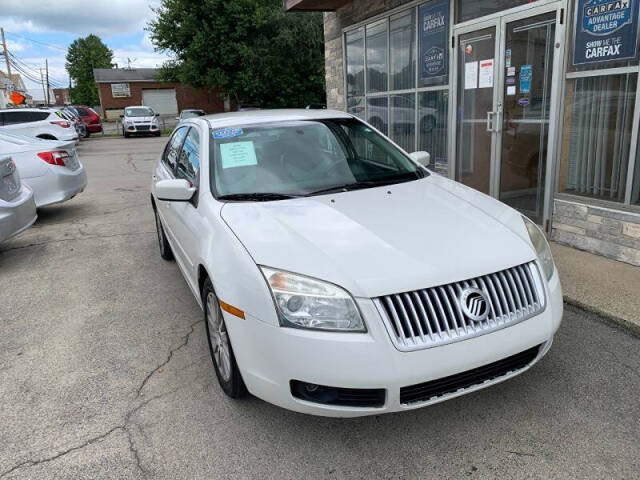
pixel 17 215
pixel 269 357
pixel 59 184
pixel 142 128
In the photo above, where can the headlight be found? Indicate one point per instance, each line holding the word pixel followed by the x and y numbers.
pixel 304 302
pixel 541 245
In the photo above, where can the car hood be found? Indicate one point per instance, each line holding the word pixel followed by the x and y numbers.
pixel 140 119
pixel 384 240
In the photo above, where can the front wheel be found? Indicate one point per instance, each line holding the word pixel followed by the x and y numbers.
pixel 224 361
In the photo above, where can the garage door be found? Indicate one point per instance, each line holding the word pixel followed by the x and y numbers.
pixel 162 100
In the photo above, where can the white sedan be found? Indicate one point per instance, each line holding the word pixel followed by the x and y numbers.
pixel 50 168
pixel 17 207
pixel 339 276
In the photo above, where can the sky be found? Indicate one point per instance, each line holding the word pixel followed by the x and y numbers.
pixel 39 29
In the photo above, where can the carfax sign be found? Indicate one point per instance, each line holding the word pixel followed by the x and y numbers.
pixel 434 40
pixel 605 30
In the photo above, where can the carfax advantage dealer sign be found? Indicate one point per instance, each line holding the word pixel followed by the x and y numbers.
pixel 605 30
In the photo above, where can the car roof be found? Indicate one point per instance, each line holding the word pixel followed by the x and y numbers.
pixel 231 119
pixel 28 109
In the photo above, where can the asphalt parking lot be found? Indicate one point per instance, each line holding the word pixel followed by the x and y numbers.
pixel 105 373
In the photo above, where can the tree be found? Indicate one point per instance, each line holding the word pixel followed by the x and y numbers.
pixel 249 50
pixel 83 56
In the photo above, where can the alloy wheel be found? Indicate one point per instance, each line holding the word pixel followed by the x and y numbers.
pixel 218 337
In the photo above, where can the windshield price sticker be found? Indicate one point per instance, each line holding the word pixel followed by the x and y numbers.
pixel 227 133
pixel 238 154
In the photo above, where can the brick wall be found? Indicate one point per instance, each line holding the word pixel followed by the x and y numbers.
pixel 599 229
pixel 334 22
pixel 186 97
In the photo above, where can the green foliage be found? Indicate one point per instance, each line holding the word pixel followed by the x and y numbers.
pixel 251 50
pixel 83 56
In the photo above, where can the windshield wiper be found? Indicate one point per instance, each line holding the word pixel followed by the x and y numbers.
pixel 365 184
pixel 257 196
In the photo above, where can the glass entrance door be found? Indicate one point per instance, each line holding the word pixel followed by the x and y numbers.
pixel 526 100
pixel 507 75
pixel 476 103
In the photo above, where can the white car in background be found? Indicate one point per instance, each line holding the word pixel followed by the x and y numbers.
pixel 17 207
pixel 139 120
pixel 37 122
pixel 340 277
pixel 50 168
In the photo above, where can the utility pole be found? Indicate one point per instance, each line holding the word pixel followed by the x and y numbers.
pixel 46 64
pixel 44 94
pixel 6 55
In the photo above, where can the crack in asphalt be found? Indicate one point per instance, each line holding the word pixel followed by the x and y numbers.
pixel 83 237
pixel 128 418
pixel 185 342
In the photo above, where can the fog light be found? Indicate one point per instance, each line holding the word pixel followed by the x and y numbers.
pixel 347 397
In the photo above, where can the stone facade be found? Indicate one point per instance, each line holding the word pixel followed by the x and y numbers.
pixel 598 229
pixel 334 22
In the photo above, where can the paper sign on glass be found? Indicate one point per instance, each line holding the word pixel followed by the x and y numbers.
pixel 486 74
pixel 470 75
pixel 238 154
pixel 511 90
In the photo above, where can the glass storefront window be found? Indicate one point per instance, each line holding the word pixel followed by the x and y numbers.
pixel 432 122
pixel 355 106
pixel 403 120
pixel 597 133
pixel 377 57
pixel 377 112
pixel 355 62
pixel 403 51
pixel 470 9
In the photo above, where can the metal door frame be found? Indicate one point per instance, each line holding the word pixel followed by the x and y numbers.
pixel 557 78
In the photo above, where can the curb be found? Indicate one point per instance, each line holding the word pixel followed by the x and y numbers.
pixel 631 327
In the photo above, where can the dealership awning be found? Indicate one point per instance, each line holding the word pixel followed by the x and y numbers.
pixel 313 5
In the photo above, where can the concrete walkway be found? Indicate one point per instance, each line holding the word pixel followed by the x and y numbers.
pixel 601 285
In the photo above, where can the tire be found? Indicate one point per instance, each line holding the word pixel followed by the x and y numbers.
pixel 165 248
pixel 157 134
pixel 124 134
pixel 88 134
pixel 224 364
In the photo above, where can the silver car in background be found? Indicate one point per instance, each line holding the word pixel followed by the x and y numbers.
pixel 17 206
pixel 50 168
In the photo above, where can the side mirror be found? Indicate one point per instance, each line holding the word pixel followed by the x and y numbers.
pixel 177 118
pixel 423 158
pixel 157 115
pixel 121 116
pixel 175 190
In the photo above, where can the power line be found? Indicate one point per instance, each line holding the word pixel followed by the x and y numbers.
pixel 36 41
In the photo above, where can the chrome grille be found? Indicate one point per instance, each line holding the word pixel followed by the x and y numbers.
pixel 430 317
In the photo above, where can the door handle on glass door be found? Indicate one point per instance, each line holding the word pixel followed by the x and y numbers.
pixel 490 121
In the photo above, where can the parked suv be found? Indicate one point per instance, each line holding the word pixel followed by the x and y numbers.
pixel 37 122
pixel 139 120
pixel 90 118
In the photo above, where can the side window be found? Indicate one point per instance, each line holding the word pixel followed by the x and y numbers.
pixel 37 116
pixel 3 118
pixel 172 150
pixel 11 118
pixel 82 111
pixel 189 160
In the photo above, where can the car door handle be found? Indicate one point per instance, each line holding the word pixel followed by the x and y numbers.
pixel 154 177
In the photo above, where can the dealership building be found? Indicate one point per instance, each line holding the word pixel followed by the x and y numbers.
pixel 122 87
pixel 535 103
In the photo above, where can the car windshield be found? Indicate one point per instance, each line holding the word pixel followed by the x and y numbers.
pixel 192 113
pixel 278 160
pixel 138 112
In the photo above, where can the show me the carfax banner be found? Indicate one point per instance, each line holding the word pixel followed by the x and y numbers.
pixel 605 30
